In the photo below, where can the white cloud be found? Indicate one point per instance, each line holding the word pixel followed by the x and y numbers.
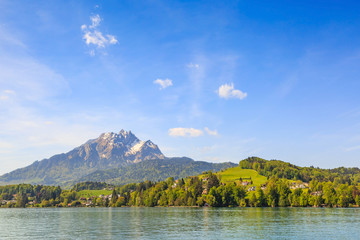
pixel 211 132
pixel 112 39
pixel 95 21
pixel 227 91
pixel 93 36
pixel 192 65
pixel 352 148
pixel 4 97
pixel 9 91
pixel 6 93
pixel 185 132
pixel 163 83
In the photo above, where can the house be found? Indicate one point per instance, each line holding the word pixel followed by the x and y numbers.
pixel 245 183
pixel 206 205
pixel 251 189
pixel 204 191
pixel 317 193
pixel 298 185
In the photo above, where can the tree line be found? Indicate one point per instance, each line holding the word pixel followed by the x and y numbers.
pixel 206 190
pixel 289 171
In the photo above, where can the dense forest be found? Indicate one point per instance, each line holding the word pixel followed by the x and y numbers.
pixel 287 186
pixel 154 170
pixel 286 170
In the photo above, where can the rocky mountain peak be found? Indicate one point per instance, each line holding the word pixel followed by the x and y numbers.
pixel 122 146
pixel 109 150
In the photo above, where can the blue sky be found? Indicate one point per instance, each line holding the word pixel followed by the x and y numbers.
pixel 212 80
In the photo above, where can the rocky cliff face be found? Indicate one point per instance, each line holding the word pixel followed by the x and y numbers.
pixel 120 148
pixel 107 151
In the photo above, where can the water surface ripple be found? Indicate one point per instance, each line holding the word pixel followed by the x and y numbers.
pixel 180 223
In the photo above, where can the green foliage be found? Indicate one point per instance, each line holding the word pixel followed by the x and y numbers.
pixel 210 189
pixel 65 172
pixel 22 200
pixel 154 170
pixel 22 192
pixel 286 170
pixel 237 174
pixel 91 186
pixel 212 181
pixel 91 193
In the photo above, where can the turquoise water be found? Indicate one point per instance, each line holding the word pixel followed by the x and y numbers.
pixel 180 223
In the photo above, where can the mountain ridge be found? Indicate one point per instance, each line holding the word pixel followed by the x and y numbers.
pixel 109 153
pixel 155 170
pixel 109 150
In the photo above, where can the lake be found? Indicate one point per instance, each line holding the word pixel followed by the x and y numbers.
pixel 180 223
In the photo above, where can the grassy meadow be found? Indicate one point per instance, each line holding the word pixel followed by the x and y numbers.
pixel 90 193
pixel 234 174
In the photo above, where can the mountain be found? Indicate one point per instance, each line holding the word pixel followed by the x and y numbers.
pixel 114 158
pixel 155 170
pixel 109 150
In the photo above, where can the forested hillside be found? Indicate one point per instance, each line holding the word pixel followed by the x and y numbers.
pixel 155 170
pixel 283 185
pixel 286 170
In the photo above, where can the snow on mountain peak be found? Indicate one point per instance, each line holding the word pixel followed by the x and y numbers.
pixel 111 143
pixel 108 135
pixel 135 147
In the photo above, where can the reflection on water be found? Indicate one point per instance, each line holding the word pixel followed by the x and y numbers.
pixel 180 223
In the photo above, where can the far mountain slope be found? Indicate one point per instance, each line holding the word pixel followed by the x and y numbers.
pixel 109 150
pixel 155 170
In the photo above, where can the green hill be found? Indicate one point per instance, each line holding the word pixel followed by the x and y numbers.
pixel 280 169
pixel 234 174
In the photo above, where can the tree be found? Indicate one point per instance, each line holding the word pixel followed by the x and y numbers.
pixel 22 200
pixel 114 197
pixel 357 200
pixel 260 196
pixel 253 200
pixel 213 181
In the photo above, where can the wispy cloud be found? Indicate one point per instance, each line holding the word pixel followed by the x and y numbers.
pixel 6 94
pixel 7 91
pixel 29 79
pixel 228 91
pixel 193 65
pixel 191 132
pixel 164 83
pixel 93 36
pixel 211 132
pixel 4 97
pixel 350 149
pixel 185 132
pixel 95 21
